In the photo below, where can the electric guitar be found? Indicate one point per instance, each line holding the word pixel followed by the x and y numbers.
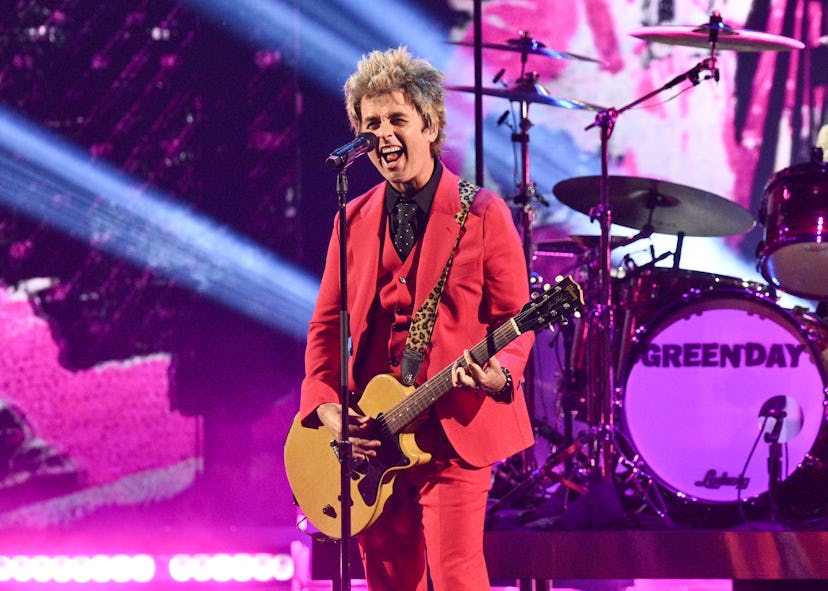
pixel 311 459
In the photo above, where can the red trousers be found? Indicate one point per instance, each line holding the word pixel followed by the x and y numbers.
pixel 436 513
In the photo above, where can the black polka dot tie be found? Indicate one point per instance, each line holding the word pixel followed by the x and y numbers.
pixel 404 211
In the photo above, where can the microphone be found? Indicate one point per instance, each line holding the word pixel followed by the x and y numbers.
pixel 778 415
pixel 344 155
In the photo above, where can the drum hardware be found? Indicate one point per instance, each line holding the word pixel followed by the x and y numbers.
pixel 545 475
pixel 526 91
pixel 642 203
pixel 782 429
pixel 652 206
pixel 635 484
pixel 774 409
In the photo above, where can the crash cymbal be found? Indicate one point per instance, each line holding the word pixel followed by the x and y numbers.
pixel 669 208
pixel 528 46
pixel 728 38
pixel 528 90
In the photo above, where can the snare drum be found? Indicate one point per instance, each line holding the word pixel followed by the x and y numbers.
pixel 794 211
pixel 699 377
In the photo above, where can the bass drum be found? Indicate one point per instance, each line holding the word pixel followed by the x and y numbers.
pixel 700 378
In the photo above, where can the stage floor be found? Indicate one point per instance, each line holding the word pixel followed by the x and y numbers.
pixel 522 554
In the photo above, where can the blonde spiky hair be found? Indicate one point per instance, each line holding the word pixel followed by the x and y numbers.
pixel 381 72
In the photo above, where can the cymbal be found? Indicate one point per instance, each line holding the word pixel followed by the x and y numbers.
pixel 592 242
pixel 528 90
pixel 549 239
pixel 528 46
pixel 669 208
pixel 728 38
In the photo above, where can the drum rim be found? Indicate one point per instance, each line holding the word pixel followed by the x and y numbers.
pixel 797 169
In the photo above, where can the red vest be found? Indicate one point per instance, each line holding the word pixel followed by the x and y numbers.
pixel 389 316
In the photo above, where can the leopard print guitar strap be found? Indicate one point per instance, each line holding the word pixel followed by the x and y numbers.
pixel 422 325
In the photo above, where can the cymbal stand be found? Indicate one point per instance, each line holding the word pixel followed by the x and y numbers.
pixel 526 44
pixel 527 195
pixel 600 374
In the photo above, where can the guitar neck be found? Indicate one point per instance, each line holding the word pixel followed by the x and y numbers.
pixel 412 406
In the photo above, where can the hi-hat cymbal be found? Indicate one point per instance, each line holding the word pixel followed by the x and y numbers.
pixel 669 208
pixel 528 46
pixel 550 238
pixel 592 242
pixel 728 38
pixel 528 90
pixel 578 244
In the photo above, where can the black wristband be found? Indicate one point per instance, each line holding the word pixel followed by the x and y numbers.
pixel 507 392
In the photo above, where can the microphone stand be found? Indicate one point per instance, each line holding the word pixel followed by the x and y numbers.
pixel 774 463
pixel 343 446
pixel 603 447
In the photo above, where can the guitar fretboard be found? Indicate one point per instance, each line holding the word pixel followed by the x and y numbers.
pixel 409 408
pixel 550 307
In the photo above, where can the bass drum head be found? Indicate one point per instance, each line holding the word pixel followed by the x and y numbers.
pixel 697 383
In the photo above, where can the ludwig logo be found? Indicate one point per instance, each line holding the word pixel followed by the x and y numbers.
pixel 713 481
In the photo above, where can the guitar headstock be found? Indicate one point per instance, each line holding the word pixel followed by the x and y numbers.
pixel 555 304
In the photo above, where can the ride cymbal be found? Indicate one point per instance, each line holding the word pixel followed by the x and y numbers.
pixel 669 208
pixel 728 38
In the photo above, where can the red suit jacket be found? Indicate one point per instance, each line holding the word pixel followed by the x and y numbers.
pixel 487 285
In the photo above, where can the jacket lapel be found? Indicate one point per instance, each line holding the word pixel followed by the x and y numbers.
pixel 440 236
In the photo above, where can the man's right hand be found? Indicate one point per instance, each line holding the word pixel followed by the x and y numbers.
pixel 359 428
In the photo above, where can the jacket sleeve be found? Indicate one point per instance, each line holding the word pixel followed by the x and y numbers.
pixel 506 287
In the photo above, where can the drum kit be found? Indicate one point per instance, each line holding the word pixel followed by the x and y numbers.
pixel 677 375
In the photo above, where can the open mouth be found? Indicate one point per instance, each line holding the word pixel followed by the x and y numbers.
pixel 391 153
